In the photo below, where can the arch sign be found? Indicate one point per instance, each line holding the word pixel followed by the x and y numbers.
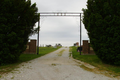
pixel 53 14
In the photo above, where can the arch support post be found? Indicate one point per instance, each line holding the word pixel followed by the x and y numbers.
pixel 38 37
pixel 80 34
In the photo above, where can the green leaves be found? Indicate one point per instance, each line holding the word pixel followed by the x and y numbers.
pixel 17 20
pixel 102 21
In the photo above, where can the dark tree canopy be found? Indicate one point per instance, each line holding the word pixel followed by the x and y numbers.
pixel 17 20
pixel 102 21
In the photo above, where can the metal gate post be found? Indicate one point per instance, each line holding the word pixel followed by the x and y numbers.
pixel 38 37
pixel 80 34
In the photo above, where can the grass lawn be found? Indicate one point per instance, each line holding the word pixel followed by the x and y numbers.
pixel 95 61
pixel 42 51
pixel 26 57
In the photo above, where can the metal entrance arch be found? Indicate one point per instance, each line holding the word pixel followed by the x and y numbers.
pixel 54 14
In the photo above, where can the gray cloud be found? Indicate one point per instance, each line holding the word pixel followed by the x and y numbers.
pixel 64 30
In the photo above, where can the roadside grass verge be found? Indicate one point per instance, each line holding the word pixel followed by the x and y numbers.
pixel 24 58
pixel 95 61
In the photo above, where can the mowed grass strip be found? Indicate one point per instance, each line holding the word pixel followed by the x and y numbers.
pixel 26 57
pixel 95 61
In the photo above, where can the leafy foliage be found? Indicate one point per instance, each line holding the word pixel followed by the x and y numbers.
pixel 17 20
pixel 102 21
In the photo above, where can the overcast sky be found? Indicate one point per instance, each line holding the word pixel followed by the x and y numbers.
pixel 63 30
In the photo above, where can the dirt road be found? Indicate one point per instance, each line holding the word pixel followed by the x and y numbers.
pixel 54 66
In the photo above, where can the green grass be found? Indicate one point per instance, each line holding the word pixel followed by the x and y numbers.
pixel 24 58
pixel 42 51
pixel 95 61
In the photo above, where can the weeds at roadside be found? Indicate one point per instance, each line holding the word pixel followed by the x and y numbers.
pixel 53 64
pixel 98 71
pixel 86 68
pixel 12 77
pixel 101 67
pixel 70 52
pixel 61 52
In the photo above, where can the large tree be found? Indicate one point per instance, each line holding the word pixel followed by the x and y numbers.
pixel 102 21
pixel 17 20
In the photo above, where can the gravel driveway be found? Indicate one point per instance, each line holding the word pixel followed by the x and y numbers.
pixel 54 66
